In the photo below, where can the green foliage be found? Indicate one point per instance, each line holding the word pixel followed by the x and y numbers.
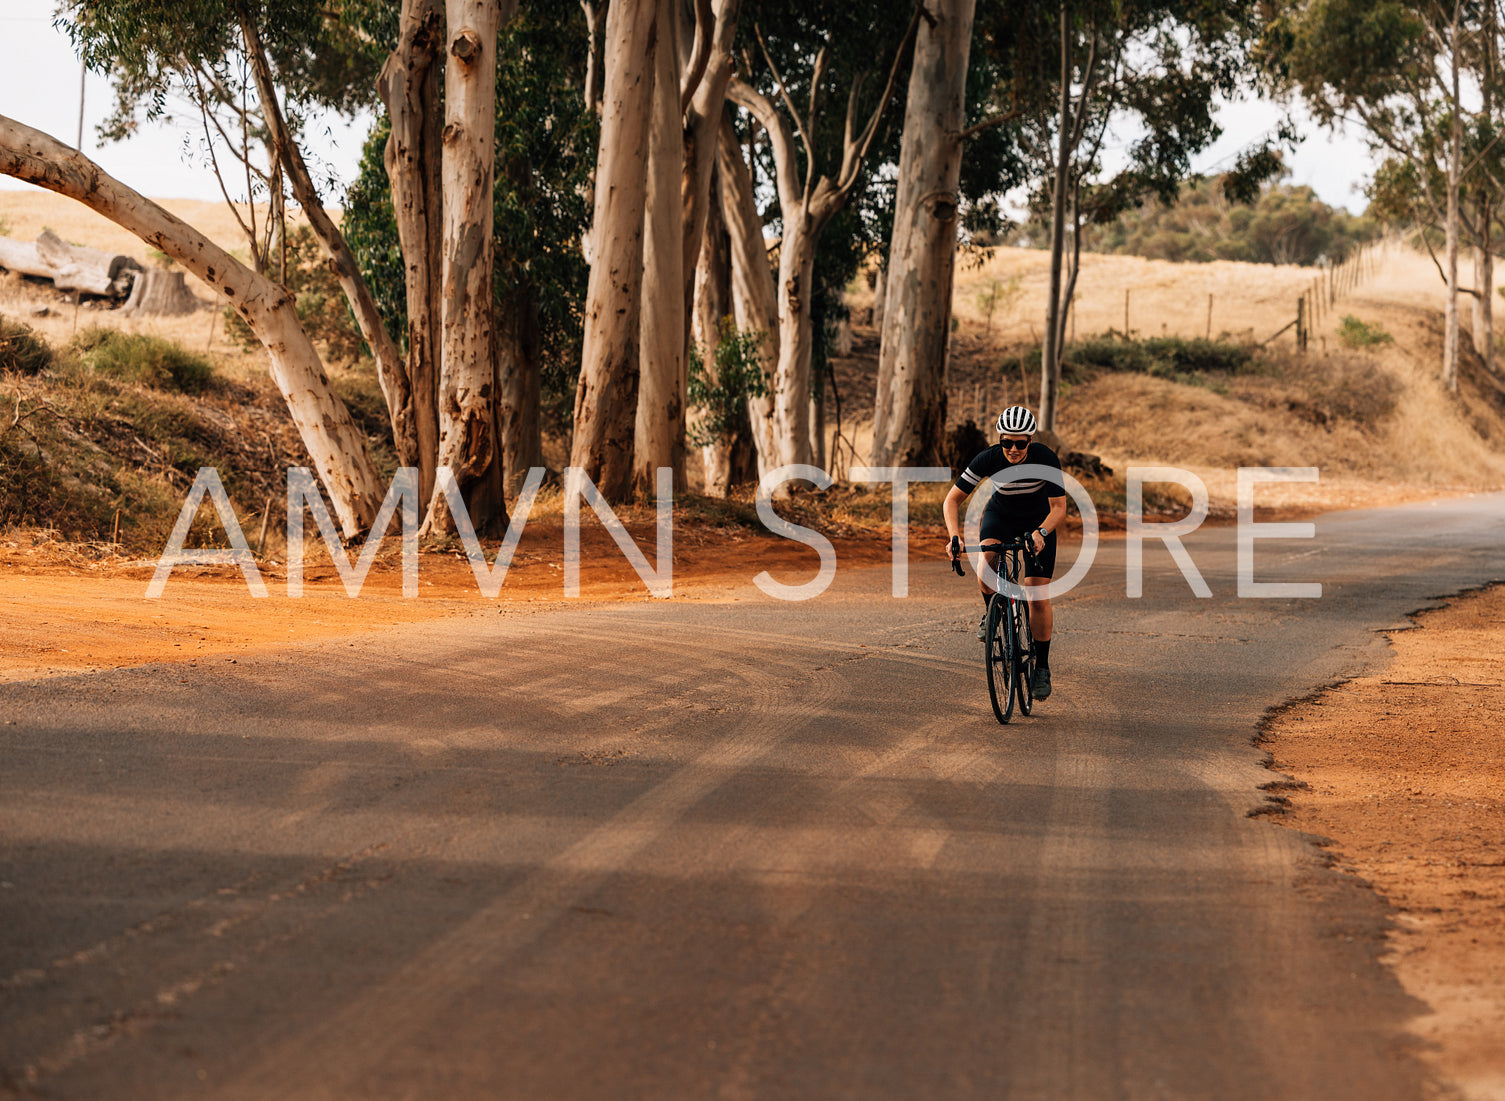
pixel 324 54
pixel 1155 68
pixel 143 360
pixel 738 376
pixel 1285 225
pixel 320 302
pixel 1357 334
pixel 1169 357
pixel 21 350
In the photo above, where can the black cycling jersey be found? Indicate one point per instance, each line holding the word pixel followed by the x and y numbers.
pixel 1024 503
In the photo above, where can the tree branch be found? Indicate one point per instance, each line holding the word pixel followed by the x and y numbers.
pixel 794 113
pixel 786 166
pixel 389 364
pixel 852 158
pixel 705 26
pixel 592 56
pixel 989 123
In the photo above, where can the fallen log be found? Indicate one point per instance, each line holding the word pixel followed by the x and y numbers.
pixel 71 267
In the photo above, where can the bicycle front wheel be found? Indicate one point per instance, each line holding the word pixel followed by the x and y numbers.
pixel 998 656
pixel 1024 656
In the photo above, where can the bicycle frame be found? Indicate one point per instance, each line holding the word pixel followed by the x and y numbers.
pixel 1008 647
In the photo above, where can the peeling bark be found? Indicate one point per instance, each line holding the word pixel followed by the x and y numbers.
pixel 409 86
pixel 468 443
pixel 607 396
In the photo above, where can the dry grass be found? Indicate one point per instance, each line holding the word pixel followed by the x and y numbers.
pixel 27 213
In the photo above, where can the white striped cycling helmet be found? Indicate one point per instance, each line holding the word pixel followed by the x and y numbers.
pixel 1016 420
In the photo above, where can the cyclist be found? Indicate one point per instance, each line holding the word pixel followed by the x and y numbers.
pixel 1033 505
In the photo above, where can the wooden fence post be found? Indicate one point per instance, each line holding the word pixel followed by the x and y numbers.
pixel 1209 317
pixel 1301 324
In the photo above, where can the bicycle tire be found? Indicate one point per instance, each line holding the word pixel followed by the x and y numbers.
pixel 998 656
pixel 1024 656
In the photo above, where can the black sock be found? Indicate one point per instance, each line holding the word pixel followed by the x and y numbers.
pixel 1042 654
pixel 986 599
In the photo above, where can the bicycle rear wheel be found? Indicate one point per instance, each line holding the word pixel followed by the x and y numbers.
pixel 1024 656
pixel 998 656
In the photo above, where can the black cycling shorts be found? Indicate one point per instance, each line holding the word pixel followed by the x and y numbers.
pixel 997 524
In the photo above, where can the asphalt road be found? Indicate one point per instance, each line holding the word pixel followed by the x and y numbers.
pixel 734 849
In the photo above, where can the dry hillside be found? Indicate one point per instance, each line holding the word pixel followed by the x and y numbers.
pixel 1375 421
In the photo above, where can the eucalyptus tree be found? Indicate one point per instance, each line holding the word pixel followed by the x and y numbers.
pixel 545 154
pixel 941 122
pixel 441 408
pixel 1089 72
pixel 796 59
pixel 664 65
pixel 1419 77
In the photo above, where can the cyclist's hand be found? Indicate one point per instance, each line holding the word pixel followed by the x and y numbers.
pixel 1036 542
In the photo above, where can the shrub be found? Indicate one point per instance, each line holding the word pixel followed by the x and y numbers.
pixel 1169 357
pixel 21 350
pixel 144 360
pixel 1356 334
pixel 1354 388
pixel 739 376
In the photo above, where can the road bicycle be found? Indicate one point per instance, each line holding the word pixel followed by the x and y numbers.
pixel 1008 647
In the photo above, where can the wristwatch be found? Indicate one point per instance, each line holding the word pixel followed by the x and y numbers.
pixel 1043 533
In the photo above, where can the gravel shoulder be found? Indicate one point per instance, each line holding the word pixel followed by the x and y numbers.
pixel 1403 774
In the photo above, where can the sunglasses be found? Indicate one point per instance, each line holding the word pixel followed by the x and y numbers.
pixel 1014 445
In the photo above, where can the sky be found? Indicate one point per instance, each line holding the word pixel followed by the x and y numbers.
pixel 39 86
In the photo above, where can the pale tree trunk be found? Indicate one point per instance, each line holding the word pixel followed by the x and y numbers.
pixel 754 294
pixel 409 86
pixel 712 302
pixel 335 444
pixel 1050 361
pixel 791 375
pixel 594 14
pixel 688 93
pixel 1455 156
pixel 909 416
pixel 390 370
pixel 1484 311
pixel 658 437
pixel 606 398
pixel 706 106
pixel 468 442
